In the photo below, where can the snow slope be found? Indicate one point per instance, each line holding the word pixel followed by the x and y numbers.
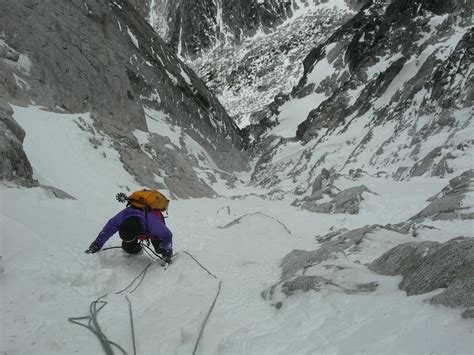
pixel 240 239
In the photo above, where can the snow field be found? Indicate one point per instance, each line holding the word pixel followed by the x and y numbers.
pixel 48 279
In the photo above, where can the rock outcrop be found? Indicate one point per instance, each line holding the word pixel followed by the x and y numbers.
pixel 346 201
pixel 104 58
pixel 428 266
pixel 14 164
pixel 304 270
pixel 448 204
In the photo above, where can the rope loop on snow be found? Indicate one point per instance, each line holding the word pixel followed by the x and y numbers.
pixel 93 324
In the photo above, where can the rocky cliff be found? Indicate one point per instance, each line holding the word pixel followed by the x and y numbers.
pixel 243 50
pixel 104 58
pixel 389 94
pixel 193 27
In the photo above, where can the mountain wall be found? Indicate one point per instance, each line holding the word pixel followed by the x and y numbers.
pixel 388 94
pixel 249 76
pixel 104 58
pixel 192 27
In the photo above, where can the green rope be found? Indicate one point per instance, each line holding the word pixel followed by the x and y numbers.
pixel 142 275
pixel 131 325
pixel 207 318
pixel 93 324
pixel 210 273
pixel 204 323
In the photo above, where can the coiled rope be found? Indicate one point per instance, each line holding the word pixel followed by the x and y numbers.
pixel 93 324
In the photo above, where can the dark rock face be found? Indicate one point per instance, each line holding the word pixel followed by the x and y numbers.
pixel 428 266
pixel 192 27
pixel 103 57
pixel 14 164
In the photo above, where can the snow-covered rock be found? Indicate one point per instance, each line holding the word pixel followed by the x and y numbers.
pixel 195 27
pixel 388 93
pixel 346 201
pixel 428 266
pixel 453 201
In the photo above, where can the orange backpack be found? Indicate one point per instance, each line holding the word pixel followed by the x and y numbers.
pixel 149 199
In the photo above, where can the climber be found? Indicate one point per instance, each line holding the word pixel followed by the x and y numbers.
pixel 142 219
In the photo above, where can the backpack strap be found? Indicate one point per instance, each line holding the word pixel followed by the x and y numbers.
pixel 145 210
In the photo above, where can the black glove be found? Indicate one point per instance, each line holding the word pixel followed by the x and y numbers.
pixel 93 248
pixel 167 254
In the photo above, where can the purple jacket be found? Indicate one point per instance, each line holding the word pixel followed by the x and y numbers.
pixel 156 227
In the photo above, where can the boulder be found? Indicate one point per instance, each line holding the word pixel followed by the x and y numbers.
pixel 14 164
pixel 447 204
pixel 427 266
pixel 403 258
pixel 458 293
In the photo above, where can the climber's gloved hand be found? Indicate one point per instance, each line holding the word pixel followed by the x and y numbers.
pixel 93 248
pixel 166 254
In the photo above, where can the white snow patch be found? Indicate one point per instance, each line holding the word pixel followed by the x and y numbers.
pixel 154 96
pixel 133 38
pixel 295 112
pixel 173 78
pixel 158 122
pixel 185 76
pixel 24 64
pixel 59 149
pixel 21 83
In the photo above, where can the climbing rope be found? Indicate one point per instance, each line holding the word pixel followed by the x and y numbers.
pixel 210 273
pixel 93 324
pixel 131 325
pixel 150 252
pixel 212 305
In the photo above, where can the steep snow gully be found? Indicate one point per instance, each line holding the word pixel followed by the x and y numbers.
pixel 241 238
pixel 348 230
